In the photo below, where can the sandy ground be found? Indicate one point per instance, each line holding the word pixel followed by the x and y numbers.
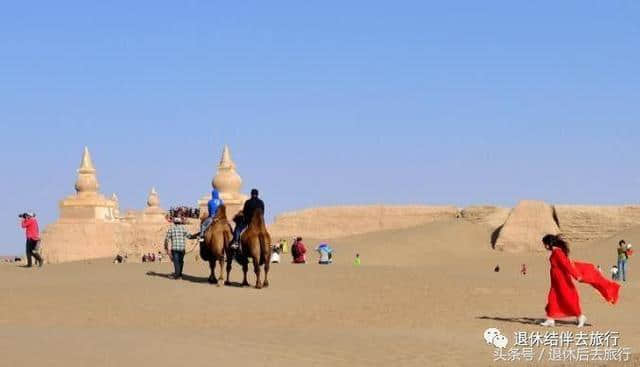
pixel 422 297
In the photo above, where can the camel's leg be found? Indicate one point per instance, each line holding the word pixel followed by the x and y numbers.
pixel 221 261
pixel 267 264
pixel 256 269
pixel 245 269
pixel 212 278
pixel 229 260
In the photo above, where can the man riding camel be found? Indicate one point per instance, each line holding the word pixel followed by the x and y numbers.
pixel 243 218
pixel 213 205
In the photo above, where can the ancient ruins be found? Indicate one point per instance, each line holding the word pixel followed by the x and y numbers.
pixel 90 225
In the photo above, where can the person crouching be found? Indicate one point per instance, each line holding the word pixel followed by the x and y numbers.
pixel 298 251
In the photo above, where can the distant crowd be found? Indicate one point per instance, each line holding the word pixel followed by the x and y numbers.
pixel 146 258
pixel 299 252
pixel 183 212
pixel 151 257
pixel 11 259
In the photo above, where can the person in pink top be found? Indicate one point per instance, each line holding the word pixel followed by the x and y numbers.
pixel 30 225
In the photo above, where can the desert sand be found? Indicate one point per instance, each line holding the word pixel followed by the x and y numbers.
pixel 422 297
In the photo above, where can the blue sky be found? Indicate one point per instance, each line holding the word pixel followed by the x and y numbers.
pixel 322 103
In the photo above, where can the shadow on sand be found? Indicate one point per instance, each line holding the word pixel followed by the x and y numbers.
pixel 188 278
pixel 526 320
pixel 192 279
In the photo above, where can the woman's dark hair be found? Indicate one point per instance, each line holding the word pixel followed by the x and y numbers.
pixel 551 240
pixel 621 243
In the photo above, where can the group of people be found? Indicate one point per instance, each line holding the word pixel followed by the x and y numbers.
pixel 299 252
pixel 177 235
pixel 151 257
pixel 184 212
pixel 12 259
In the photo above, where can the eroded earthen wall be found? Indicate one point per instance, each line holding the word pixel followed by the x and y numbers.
pixel 581 223
pixel 340 221
pixel 66 241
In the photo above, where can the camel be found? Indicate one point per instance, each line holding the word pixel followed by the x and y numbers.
pixel 216 244
pixel 256 244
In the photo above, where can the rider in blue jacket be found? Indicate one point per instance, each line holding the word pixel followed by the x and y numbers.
pixel 213 205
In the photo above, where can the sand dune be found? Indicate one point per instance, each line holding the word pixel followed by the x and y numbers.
pixel 422 297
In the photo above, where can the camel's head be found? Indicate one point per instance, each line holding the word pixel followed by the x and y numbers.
pixel 222 212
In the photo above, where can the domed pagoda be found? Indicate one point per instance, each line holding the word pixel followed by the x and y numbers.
pixel 87 203
pixel 229 183
pixel 153 212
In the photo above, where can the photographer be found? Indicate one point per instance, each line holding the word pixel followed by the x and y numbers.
pixel 30 224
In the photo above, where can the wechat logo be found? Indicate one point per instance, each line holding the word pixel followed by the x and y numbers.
pixel 494 337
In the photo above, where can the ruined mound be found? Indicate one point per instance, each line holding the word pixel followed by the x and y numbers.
pixel 527 223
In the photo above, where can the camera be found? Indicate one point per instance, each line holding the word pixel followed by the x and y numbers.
pixel 23 215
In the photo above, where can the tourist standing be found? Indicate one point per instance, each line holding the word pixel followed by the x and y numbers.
pixel 175 241
pixel 30 225
pixel 622 260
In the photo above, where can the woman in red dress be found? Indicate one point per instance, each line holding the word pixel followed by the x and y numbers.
pixel 564 300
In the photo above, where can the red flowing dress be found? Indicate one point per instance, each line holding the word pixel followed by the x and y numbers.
pixel 563 300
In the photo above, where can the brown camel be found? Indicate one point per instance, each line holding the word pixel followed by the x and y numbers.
pixel 216 244
pixel 256 244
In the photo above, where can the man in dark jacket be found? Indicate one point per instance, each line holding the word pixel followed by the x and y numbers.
pixel 250 207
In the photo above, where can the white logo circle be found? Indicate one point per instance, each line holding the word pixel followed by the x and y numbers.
pixel 491 333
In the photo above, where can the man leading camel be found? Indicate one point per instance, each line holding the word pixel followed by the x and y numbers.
pixel 174 243
pixel 250 206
